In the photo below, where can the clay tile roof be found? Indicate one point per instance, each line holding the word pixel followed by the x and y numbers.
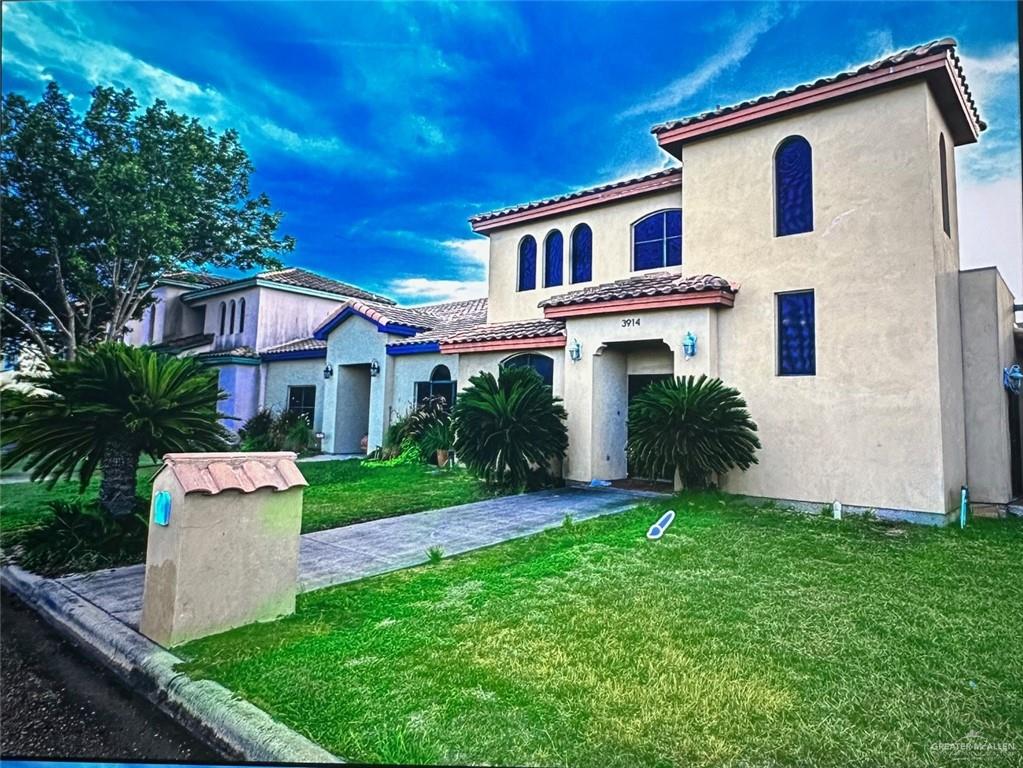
pixel 181 343
pixel 233 352
pixel 451 319
pixel 297 345
pixel 211 473
pixel 665 174
pixel 302 278
pixel 655 284
pixel 412 320
pixel 907 55
pixel 522 329
pixel 196 278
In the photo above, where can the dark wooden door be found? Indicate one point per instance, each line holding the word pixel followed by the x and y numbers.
pixel 637 383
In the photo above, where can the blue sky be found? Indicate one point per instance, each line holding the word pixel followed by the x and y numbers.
pixel 378 128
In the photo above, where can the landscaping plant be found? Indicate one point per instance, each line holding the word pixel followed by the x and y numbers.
pixel 285 431
pixel 107 407
pixel 508 429
pixel 696 427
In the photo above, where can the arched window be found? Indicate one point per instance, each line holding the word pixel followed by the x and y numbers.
pixel 223 316
pixel 793 187
pixel 657 240
pixel 232 315
pixel 527 263
pixel 553 258
pixel 943 163
pixel 439 385
pixel 539 363
pixel 241 316
pixel 582 254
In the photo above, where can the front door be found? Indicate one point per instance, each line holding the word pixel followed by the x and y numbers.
pixel 637 383
pixel 1016 468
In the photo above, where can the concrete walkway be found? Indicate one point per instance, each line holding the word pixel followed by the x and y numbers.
pixel 353 552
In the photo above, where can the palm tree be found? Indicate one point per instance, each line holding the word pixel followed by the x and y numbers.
pixel 106 408
pixel 696 427
pixel 508 428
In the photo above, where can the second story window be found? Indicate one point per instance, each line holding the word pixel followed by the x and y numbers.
pixel 793 187
pixel 232 315
pixel 582 254
pixel 223 317
pixel 553 259
pixel 527 263
pixel 657 240
pixel 797 353
pixel 943 169
pixel 241 315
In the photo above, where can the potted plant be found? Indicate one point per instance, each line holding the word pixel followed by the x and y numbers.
pixel 437 438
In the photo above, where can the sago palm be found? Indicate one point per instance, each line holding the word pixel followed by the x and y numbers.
pixel 106 408
pixel 510 427
pixel 695 426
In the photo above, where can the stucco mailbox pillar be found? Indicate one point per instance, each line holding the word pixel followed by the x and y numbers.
pixel 223 543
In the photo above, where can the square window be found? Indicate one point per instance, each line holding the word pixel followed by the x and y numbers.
pixel 796 334
pixel 303 400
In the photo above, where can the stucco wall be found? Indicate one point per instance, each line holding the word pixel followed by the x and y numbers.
pixel 241 382
pixel 612 252
pixel 166 318
pixel 356 342
pixel 987 323
pixel 471 363
pixel 228 340
pixel 282 374
pixel 284 316
pixel 867 429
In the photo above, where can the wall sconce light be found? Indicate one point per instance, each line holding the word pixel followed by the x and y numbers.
pixel 689 345
pixel 374 368
pixel 575 350
pixel 328 371
pixel 319 440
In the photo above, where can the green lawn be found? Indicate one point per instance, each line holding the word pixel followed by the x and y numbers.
pixel 741 638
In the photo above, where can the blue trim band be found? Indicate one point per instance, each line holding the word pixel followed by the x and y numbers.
pixel 414 349
pixel 295 354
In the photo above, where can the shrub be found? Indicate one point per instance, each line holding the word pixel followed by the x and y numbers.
pixel 695 426
pixel 80 537
pixel 285 431
pixel 107 407
pixel 508 429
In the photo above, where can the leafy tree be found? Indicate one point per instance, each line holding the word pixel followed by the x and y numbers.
pixel 508 428
pixel 96 207
pixel 106 408
pixel 695 426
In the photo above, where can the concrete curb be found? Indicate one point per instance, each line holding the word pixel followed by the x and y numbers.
pixel 233 725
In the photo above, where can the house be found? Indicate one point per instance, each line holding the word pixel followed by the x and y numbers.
pixel 805 249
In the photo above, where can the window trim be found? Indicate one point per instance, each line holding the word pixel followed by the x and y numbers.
pixel 546 258
pixel 572 254
pixel 774 175
pixel 518 276
pixel 778 335
pixel 664 239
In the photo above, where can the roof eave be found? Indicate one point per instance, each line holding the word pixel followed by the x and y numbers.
pixel 649 186
pixel 664 301
pixel 938 69
pixel 498 345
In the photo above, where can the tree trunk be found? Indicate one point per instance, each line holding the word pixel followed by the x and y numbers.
pixel 119 466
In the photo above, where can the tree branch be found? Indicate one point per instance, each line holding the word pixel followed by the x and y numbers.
pixel 36 336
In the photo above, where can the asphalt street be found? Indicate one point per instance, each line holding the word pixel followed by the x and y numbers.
pixel 56 703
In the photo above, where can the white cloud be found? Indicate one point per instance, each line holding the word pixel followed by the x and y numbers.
pixel 41 39
pixel 988 75
pixel 730 56
pixel 991 228
pixel 470 257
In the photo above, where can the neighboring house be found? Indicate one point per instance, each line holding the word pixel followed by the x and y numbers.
pixel 808 255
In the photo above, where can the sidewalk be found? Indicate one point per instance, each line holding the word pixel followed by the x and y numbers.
pixel 354 552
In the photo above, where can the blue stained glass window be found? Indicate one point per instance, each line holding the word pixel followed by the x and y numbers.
pixel 539 363
pixel 657 240
pixel 553 258
pixel 527 263
pixel 796 350
pixel 582 254
pixel 793 186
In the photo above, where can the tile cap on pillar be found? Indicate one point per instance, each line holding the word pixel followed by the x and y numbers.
pixel 213 473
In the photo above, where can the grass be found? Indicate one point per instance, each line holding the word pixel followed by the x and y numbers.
pixel 339 493
pixel 743 637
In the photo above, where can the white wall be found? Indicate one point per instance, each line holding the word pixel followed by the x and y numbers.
pixel 281 374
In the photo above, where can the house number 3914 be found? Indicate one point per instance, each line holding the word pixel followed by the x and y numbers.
pixel 630 321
